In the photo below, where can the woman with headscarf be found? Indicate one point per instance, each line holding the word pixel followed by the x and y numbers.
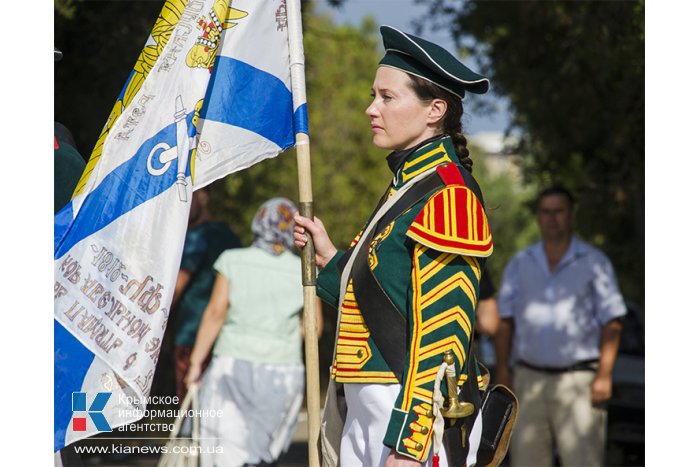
pixel 256 376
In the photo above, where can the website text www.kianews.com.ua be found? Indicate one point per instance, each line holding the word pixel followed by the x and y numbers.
pixel 165 449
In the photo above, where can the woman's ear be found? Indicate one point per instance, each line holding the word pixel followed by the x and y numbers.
pixel 437 110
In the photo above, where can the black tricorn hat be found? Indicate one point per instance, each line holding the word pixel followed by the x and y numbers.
pixel 429 61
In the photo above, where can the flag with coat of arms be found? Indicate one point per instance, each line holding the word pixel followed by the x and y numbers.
pixel 210 94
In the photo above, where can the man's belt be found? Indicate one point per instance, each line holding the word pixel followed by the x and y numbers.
pixel 586 365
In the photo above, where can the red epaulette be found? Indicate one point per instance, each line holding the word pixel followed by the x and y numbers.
pixel 453 219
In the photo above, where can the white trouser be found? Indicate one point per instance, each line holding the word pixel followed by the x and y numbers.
pixel 369 410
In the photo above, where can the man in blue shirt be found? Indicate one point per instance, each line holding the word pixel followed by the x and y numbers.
pixel 560 315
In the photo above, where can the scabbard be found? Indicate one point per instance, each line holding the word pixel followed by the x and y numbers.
pixel 456 435
pixel 499 412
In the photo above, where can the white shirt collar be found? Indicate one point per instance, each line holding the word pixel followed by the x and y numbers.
pixel 576 249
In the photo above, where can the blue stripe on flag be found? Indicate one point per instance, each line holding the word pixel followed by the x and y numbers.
pixel 244 96
pixel 301 122
pixel 125 188
pixel 71 361
pixel 61 222
pixel 126 85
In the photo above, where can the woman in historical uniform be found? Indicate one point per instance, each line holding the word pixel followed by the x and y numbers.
pixel 407 288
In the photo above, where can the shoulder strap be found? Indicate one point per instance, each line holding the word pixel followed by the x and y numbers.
pixel 455 174
pixel 387 326
pixel 450 173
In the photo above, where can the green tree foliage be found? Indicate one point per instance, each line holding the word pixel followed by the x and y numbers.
pixel 64 8
pixel 511 221
pixel 574 74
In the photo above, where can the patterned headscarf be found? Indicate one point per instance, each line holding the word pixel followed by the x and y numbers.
pixel 273 226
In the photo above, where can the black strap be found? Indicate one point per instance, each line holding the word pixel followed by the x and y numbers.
pixel 340 265
pixel 387 326
pixel 469 182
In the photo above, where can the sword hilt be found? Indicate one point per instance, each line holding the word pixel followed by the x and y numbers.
pixel 455 408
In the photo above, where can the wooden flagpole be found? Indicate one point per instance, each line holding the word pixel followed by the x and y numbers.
pixel 313 390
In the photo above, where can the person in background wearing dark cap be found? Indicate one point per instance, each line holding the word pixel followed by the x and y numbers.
pixel 408 286
pixel 68 167
pixel 68 164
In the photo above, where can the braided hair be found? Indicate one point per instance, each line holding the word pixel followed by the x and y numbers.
pixel 451 121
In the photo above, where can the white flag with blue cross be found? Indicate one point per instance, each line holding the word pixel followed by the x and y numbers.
pixel 210 94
